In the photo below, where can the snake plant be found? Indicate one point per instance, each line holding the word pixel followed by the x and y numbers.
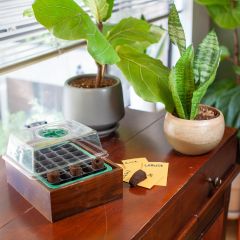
pixel 182 87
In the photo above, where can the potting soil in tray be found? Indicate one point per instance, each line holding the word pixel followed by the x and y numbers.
pixel 59 158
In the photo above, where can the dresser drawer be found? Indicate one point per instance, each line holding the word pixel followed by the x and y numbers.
pixel 197 193
pixel 202 221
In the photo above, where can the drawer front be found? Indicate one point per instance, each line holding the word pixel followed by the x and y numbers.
pixel 195 195
pixel 202 221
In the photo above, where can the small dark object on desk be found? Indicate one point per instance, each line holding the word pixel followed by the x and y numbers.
pixel 76 170
pixel 137 177
pixel 53 176
pixel 97 163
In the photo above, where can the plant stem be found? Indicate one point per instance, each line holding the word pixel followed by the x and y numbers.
pixel 100 72
pixel 99 76
pixel 100 26
pixel 236 53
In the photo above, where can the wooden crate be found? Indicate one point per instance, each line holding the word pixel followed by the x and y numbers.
pixel 56 204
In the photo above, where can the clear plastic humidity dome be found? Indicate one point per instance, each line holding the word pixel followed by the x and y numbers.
pixel 57 153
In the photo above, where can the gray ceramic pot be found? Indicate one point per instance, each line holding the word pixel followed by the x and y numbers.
pixel 98 108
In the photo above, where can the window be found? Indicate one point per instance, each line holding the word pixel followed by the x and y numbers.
pixel 23 39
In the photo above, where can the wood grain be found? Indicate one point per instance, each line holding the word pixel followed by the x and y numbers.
pixel 56 204
pixel 139 213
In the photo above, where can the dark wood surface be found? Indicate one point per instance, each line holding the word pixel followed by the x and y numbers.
pixel 56 204
pixel 141 213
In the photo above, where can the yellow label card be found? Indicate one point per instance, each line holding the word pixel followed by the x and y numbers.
pixel 127 174
pixel 156 174
pixel 135 163
pixel 162 181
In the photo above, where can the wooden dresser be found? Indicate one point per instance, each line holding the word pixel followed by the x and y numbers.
pixel 192 206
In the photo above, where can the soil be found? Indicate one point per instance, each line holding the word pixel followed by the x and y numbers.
pixel 206 113
pixel 90 83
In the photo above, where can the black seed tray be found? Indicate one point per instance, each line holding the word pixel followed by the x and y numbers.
pixel 65 175
pixel 58 157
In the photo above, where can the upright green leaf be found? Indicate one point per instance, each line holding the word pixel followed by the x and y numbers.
pixel 181 82
pixel 148 76
pixel 131 30
pixel 199 93
pixel 67 20
pixel 175 30
pixel 206 56
pixel 100 9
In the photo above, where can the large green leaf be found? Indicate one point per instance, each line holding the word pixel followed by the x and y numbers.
pixel 216 90
pixel 226 16
pixel 100 9
pixel 181 82
pixel 228 103
pixel 131 30
pixel 66 20
pixel 201 90
pixel 175 30
pixel 206 56
pixel 226 13
pixel 225 95
pixel 148 76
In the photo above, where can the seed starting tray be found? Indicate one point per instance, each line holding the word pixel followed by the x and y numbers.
pixel 61 169
pixel 61 157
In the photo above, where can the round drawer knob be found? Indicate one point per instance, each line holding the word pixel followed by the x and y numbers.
pixel 216 182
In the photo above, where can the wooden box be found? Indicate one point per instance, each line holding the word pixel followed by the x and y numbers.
pixel 56 204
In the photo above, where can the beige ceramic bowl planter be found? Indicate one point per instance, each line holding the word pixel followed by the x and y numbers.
pixel 194 137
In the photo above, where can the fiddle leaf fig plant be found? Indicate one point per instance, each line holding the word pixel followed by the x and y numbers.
pixel 181 88
pixel 67 20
